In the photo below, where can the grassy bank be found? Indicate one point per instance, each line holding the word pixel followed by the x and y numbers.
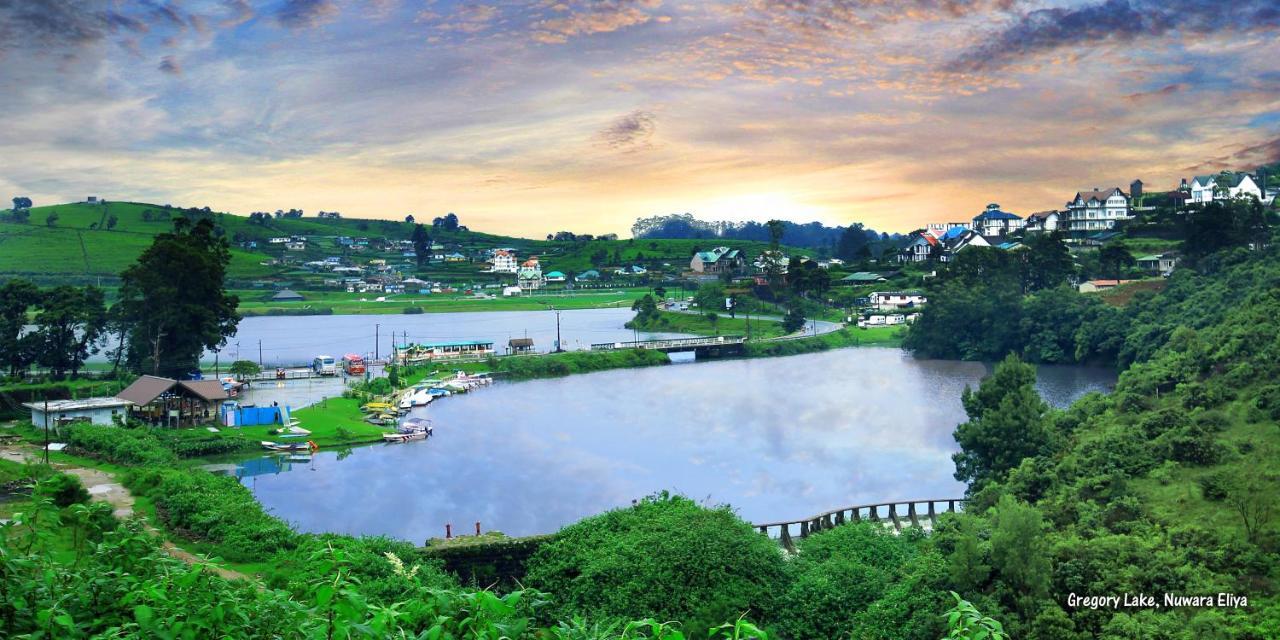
pixel 847 337
pixel 699 324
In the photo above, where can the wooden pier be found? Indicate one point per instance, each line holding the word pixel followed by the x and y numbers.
pixel 895 514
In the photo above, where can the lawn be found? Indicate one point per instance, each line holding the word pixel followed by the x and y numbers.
pixel 333 422
pixel 699 324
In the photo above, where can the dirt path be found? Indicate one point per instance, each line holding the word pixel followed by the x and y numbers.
pixel 103 487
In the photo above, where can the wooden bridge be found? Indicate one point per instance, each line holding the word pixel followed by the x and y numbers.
pixel 894 514
pixel 705 347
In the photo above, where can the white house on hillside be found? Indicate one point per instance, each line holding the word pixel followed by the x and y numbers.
pixel 504 261
pixel 529 276
pixel 1097 210
pixel 994 222
pixel 890 300
pixel 1203 188
pixel 1046 221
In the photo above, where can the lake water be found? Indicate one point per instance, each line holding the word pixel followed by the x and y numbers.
pixel 776 438
pixel 297 339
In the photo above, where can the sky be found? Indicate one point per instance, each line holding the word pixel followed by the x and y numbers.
pixel 534 116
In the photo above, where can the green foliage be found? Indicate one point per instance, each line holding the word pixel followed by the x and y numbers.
pixel 63 489
pixel 244 368
pixel 131 446
pixel 965 622
pixel 861 581
pixel 793 321
pixel 570 362
pixel 173 301
pixel 1006 424
pixel 212 508
pixel 665 557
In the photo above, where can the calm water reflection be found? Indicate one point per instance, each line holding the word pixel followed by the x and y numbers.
pixel 295 340
pixel 776 438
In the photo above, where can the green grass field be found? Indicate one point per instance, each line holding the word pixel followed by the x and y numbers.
pixel 699 324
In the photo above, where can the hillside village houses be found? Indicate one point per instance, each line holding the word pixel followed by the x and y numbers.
pixel 529 275
pixel 504 261
pixel 994 222
pixel 1044 221
pixel 1229 185
pixel 892 300
pixel 717 261
pixel 1097 209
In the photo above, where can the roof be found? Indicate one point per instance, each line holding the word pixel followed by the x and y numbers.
pixel 146 389
pixel 520 342
pixel 1097 194
pixel 207 390
pixel 863 276
pixel 995 214
pixel 717 253
pixel 78 405
pixel 554 274
pixel 455 343
pixel 287 294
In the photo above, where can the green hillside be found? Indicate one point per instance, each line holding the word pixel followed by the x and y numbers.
pixel 79 246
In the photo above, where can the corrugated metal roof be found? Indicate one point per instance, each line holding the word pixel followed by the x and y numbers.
pixel 208 390
pixel 146 389
pixel 78 405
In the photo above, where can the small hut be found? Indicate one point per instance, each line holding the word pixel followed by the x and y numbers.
pixel 520 345
pixel 174 403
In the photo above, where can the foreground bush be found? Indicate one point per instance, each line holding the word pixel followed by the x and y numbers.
pixel 130 446
pixel 666 558
pixel 862 581
pixel 213 508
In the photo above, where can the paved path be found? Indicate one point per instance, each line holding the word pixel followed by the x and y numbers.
pixel 102 487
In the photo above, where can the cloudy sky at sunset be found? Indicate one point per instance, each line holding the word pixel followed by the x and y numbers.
pixel 532 116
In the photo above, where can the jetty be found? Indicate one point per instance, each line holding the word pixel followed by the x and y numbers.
pixel 704 347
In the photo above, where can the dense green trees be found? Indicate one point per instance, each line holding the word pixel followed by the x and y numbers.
pixel 69 323
pixel 665 557
pixel 173 303
pixel 1006 424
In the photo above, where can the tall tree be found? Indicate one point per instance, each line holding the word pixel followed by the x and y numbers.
pixel 1114 258
pixel 853 240
pixel 1047 262
pixel 174 302
pixel 68 327
pixel 421 244
pixel 16 297
pixel 1006 424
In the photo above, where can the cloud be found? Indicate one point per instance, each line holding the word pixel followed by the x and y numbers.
pixel 1113 21
pixel 602 16
pixel 171 66
pixel 239 12
pixel 469 18
pixel 305 14
pixel 1162 92
pixel 59 25
pixel 630 132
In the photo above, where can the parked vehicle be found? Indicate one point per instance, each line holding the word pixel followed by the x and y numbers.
pixel 324 366
pixel 353 364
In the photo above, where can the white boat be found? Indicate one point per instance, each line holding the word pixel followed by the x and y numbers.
pixel 418 398
pixel 412 429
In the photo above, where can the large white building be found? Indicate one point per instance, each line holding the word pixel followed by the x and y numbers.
pixel 1206 188
pixel 994 222
pixel 504 261
pixel 1097 209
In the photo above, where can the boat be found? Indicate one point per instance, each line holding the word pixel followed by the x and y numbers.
pixel 411 429
pixel 417 398
pixel 378 407
pixel 289 446
pixel 381 418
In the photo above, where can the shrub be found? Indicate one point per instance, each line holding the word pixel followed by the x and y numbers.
pixel 845 582
pixel 380 578
pixel 214 508
pixel 1214 487
pixel 413 310
pixel 133 446
pixel 64 489
pixel 667 558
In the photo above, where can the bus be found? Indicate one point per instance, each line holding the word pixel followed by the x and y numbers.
pixel 353 364
pixel 324 366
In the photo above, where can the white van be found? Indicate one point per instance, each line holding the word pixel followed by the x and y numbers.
pixel 324 366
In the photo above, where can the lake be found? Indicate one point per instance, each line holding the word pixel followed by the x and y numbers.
pixel 776 438
pixel 297 339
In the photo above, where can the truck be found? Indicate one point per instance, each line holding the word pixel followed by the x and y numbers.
pixel 353 364
pixel 324 366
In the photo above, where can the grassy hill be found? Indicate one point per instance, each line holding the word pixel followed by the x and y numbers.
pixel 79 248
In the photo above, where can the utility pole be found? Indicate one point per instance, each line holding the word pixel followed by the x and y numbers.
pixel 375 340
pixel 259 353
pixel 46 429
pixel 559 348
